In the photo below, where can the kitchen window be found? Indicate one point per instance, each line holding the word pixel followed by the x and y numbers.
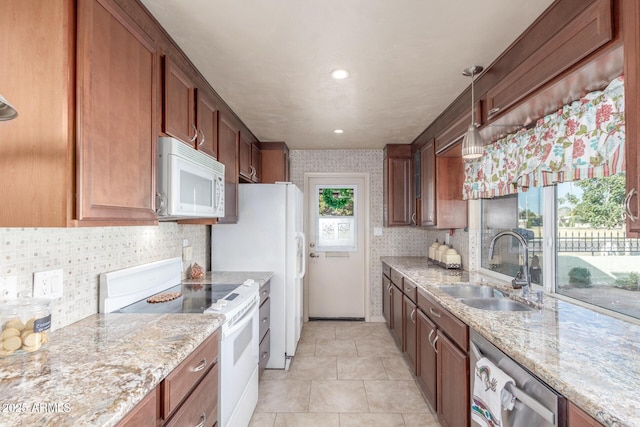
pixel 589 258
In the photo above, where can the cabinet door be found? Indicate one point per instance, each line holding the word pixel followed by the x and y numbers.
pixel 631 32
pixel 244 158
pixel 207 124
pixel 144 414
pixel 427 358
pixel 428 188
pixel 228 156
pixel 396 312
pixel 117 117
pixel 410 331
pixel 178 119
pixel 453 383
pixel 399 192
pixel 386 301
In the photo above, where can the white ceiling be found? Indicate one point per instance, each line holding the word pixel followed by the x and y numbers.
pixel 270 61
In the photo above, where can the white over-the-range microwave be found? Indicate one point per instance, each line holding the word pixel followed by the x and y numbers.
pixel 190 184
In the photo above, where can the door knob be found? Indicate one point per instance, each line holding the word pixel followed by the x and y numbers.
pixel 312 255
pixel 312 245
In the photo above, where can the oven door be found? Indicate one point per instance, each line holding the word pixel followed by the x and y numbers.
pixel 239 369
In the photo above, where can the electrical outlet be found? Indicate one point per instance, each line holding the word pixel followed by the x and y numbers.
pixel 48 284
pixel 9 287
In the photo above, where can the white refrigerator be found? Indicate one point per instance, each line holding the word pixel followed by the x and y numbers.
pixel 269 237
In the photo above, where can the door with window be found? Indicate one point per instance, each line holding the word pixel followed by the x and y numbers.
pixel 336 209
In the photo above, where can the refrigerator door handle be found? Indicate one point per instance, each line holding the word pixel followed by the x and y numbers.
pixel 303 256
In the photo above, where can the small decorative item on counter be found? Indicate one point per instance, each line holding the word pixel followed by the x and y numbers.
pixel 445 256
pixel 440 251
pixel 196 272
pixel 24 323
pixel 432 250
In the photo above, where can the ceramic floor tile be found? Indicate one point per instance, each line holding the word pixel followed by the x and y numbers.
pixel 306 348
pixel 376 348
pixel 324 333
pixel 361 368
pixel 371 420
pixel 274 374
pixel 420 420
pixel 395 397
pixel 262 419
pixel 397 368
pixel 313 368
pixel 355 332
pixel 338 396
pixel 283 396
pixel 336 348
pixel 307 420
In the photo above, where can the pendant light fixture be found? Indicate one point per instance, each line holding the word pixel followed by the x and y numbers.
pixel 7 112
pixel 472 146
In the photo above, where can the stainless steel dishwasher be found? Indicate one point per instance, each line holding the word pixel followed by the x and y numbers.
pixel 536 404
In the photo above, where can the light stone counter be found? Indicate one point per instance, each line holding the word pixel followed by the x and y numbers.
pixel 592 359
pixel 96 370
pixel 220 277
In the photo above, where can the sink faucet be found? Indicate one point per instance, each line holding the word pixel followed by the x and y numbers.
pixel 521 280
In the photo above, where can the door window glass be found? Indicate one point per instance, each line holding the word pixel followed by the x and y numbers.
pixel 336 218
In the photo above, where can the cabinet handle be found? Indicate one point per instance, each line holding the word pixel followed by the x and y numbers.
pixel 202 140
pixel 493 111
pixel 407 290
pixel 627 203
pixel 201 366
pixel 435 313
pixel 413 218
pixel 389 289
pixel 412 316
pixel 163 202
pixel 265 320
pixel 264 355
pixel 429 338
pixel 203 420
pixel 434 343
pixel 195 133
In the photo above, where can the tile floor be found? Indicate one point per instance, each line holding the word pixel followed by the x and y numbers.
pixel 345 374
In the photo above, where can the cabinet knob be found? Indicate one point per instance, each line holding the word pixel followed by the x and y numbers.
pixel 195 133
pixel 492 111
pixel 265 320
pixel 203 420
pixel 201 366
pixel 627 205
pixel 202 140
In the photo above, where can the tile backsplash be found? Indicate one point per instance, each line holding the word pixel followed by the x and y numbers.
pixel 84 253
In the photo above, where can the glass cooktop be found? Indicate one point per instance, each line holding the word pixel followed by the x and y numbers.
pixel 196 298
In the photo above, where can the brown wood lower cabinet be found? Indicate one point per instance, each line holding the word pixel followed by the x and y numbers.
pixel 264 325
pixel 576 417
pixel 386 300
pixel 396 313
pixel 410 331
pixel 452 383
pixel 427 359
pixel 144 414
pixel 201 407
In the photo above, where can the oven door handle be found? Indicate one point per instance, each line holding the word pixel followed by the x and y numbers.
pixel 519 394
pixel 240 323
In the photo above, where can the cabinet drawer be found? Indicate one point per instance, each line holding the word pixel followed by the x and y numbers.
pixel 410 289
pixel 265 317
pixel 396 277
pixel 265 352
pixel 386 270
pixel 265 290
pixel 179 382
pixel 447 322
pixel 201 408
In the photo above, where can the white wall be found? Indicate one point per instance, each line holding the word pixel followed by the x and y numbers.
pixel 84 253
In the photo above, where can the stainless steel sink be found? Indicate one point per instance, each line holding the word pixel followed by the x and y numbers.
pixel 495 304
pixel 472 291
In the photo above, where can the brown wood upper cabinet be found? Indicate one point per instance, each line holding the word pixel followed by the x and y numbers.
pixel 442 177
pixel 188 113
pixel 87 80
pixel 228 137
pixel 398 199
pixel 274 163
pixel 589 30
pixel 249 160
pixel 631 34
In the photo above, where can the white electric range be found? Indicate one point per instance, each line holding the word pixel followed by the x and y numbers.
pixel 127 290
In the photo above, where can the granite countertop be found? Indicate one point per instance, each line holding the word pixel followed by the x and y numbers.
pixel 96 370
pixel 590 358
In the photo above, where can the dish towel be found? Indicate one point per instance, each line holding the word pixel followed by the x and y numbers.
pixel 489 394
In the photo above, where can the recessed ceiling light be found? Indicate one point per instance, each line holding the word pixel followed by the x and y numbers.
pixel 339 74
pixel 338 131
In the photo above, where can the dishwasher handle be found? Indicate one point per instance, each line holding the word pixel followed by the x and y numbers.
pixel 523 397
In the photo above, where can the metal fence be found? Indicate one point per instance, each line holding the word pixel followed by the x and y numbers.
pixel 595 243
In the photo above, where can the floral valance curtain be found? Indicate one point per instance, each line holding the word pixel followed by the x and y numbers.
pixel 584 139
